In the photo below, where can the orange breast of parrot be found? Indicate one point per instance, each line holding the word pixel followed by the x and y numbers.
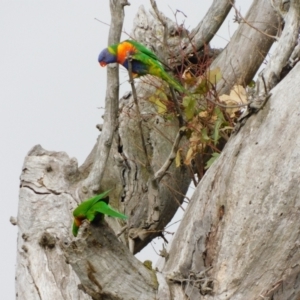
pixel 125 49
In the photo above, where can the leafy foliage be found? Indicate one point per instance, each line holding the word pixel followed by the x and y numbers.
pixel 160 99
pixel 207 122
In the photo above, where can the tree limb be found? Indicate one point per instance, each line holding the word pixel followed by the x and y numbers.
pixel 209 25
pixel 162 171
pixel 44 219
pixel 135 98
pixel 163 22
pixel 106 268
pixel 93 181
pixel 282 53
pixel 246 227
pixel 241 68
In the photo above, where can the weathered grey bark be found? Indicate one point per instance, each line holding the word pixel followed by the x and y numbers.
pixel 92 184
pixel 122 276
pixel 282 54
pixel 236 222
pixel 247 221
pixel 177 50
pixel 248 47
pixel 150 205
pixel 208 27
pixel 44 221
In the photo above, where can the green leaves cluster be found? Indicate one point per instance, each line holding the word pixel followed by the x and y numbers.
pixel 205 129
pixel 207 123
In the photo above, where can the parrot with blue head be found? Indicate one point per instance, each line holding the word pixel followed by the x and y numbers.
pixel 144 61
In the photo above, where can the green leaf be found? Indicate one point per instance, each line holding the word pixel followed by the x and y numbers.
pixel 216 133
pixel 189 104
pixel 213 158
pixel 178 158
pixel 252 83
pixel 202 87
pixel 226 128
pixel 219 113
pixel 204 135
pixel 219 122
pixel 211 78
pixel 159 98
pixel 214 76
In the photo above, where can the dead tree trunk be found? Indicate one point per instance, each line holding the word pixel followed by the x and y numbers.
pixel 239 238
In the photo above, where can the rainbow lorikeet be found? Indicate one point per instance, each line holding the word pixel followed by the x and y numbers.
pixel 93 207
pixel 144 61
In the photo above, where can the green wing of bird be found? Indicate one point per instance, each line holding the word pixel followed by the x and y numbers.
pixel 142 49
pixel 90 208
pixel 155 68
pixel 104 208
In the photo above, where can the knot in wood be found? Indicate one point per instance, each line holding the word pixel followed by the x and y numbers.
pixel 47 241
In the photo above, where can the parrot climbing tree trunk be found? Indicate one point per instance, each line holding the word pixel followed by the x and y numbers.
pixel 239 237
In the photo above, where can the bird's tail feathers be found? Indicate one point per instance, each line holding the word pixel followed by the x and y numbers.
pixel 75 229
pixel 113 213
pixel 174 83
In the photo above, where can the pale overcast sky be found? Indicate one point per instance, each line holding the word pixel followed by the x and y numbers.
pixel 52 87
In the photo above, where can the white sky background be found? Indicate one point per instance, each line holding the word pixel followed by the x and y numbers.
pixel 52 87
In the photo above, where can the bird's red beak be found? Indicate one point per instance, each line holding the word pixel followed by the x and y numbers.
pixel 103 63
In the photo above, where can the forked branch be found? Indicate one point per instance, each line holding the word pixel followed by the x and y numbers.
pixel 162 171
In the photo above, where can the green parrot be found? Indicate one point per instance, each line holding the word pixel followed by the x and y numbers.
pixel 91 208
pixel 144 61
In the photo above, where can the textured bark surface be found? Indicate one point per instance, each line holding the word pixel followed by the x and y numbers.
pixel 243 217
pixel 239 238
pixel 92 183
pixel 248 47
pixel 99 249
pixel 44 221
pixel 208 27
pixel 286 45
pixel 150 205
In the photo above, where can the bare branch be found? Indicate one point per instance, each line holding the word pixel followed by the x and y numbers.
pixel 241 68
pixel 207 28
pixel 285 47
pixel 134 95
pixel 163 22
pixel 177 107
pixel 162 171
pixel 123 31
pixel 92 183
